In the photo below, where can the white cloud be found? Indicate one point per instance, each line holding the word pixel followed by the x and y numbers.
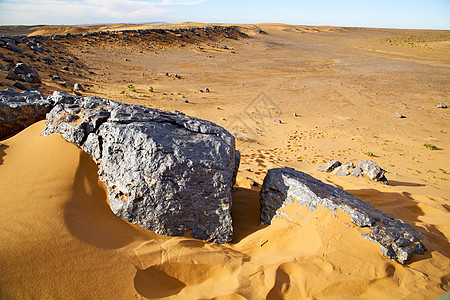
pixel 28 12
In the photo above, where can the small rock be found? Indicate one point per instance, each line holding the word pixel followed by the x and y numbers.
pixel 8 60
pixel 49 60
pixel 78 87
pixel 344 170
pixel 11 45
pixel 399 115
pixel 357 172
pixel 21 86
pixel 65 68
pixel 277 121
pixel 295 115
pixel 441 105
pixel 372 170
pixel 206 90
pixel 25 73
pixel 186 101
pixel 330 166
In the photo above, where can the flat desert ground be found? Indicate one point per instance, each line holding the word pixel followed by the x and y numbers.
pixel 336 92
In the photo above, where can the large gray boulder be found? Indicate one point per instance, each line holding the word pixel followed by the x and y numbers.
pixel 165 171
pixel 20 110
pixel 284 186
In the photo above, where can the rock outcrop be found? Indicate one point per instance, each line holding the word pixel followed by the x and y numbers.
pixel 20 110
pixel 284 186
pixel 27 74
pixel 368 167
pixel 165 171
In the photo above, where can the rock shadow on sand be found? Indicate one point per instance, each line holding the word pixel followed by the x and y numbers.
pixel 88 215
pixel 153 283
pixel 2 152
pixel 246 213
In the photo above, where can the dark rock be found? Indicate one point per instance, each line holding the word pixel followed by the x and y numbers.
pixel 284 186
pixel 344 170
pixel 21 86
pixel 441 105
pixel 49 60
pixel 65 68
pixel 20 110
pixel 374 171
pixel 1 67
pixel 165 171
pixel 27 74
pixel 11 45
pixel 8 59
pixel 11 76
pixel 399 115
pixel 277 121
pixel 329 167
pixel 206 90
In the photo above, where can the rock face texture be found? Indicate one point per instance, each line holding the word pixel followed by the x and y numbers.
pixel 371 169
pixel 27 74
pixel 165 171
pixel 283 186
pixel 20 110
pixel 368 167
pixel 329 166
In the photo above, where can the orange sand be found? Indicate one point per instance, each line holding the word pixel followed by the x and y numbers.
pixel 60 240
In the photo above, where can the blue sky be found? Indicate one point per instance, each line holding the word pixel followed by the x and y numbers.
pixel 426 14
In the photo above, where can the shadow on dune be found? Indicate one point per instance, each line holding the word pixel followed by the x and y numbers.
pixel 245 213
pixel 88 215
pixel 404 207
pixel 403 183
pixel 153 283
pixel 2 152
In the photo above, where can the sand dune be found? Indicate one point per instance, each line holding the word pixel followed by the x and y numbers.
pixel 60 240
pixel 63 241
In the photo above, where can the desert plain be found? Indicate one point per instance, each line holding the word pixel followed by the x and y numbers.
pixel 296 96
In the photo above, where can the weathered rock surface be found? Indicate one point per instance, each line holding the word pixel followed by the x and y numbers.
pixel 283 186
pixel 165 171
pixel 329 167
pixel 27 74
pixel 371 169
pixel 20 110
pixel 344 170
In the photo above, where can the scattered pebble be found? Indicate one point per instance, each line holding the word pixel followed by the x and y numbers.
pixel 78 87
pixel 399 115
pixel 277 121
pixel 441 105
